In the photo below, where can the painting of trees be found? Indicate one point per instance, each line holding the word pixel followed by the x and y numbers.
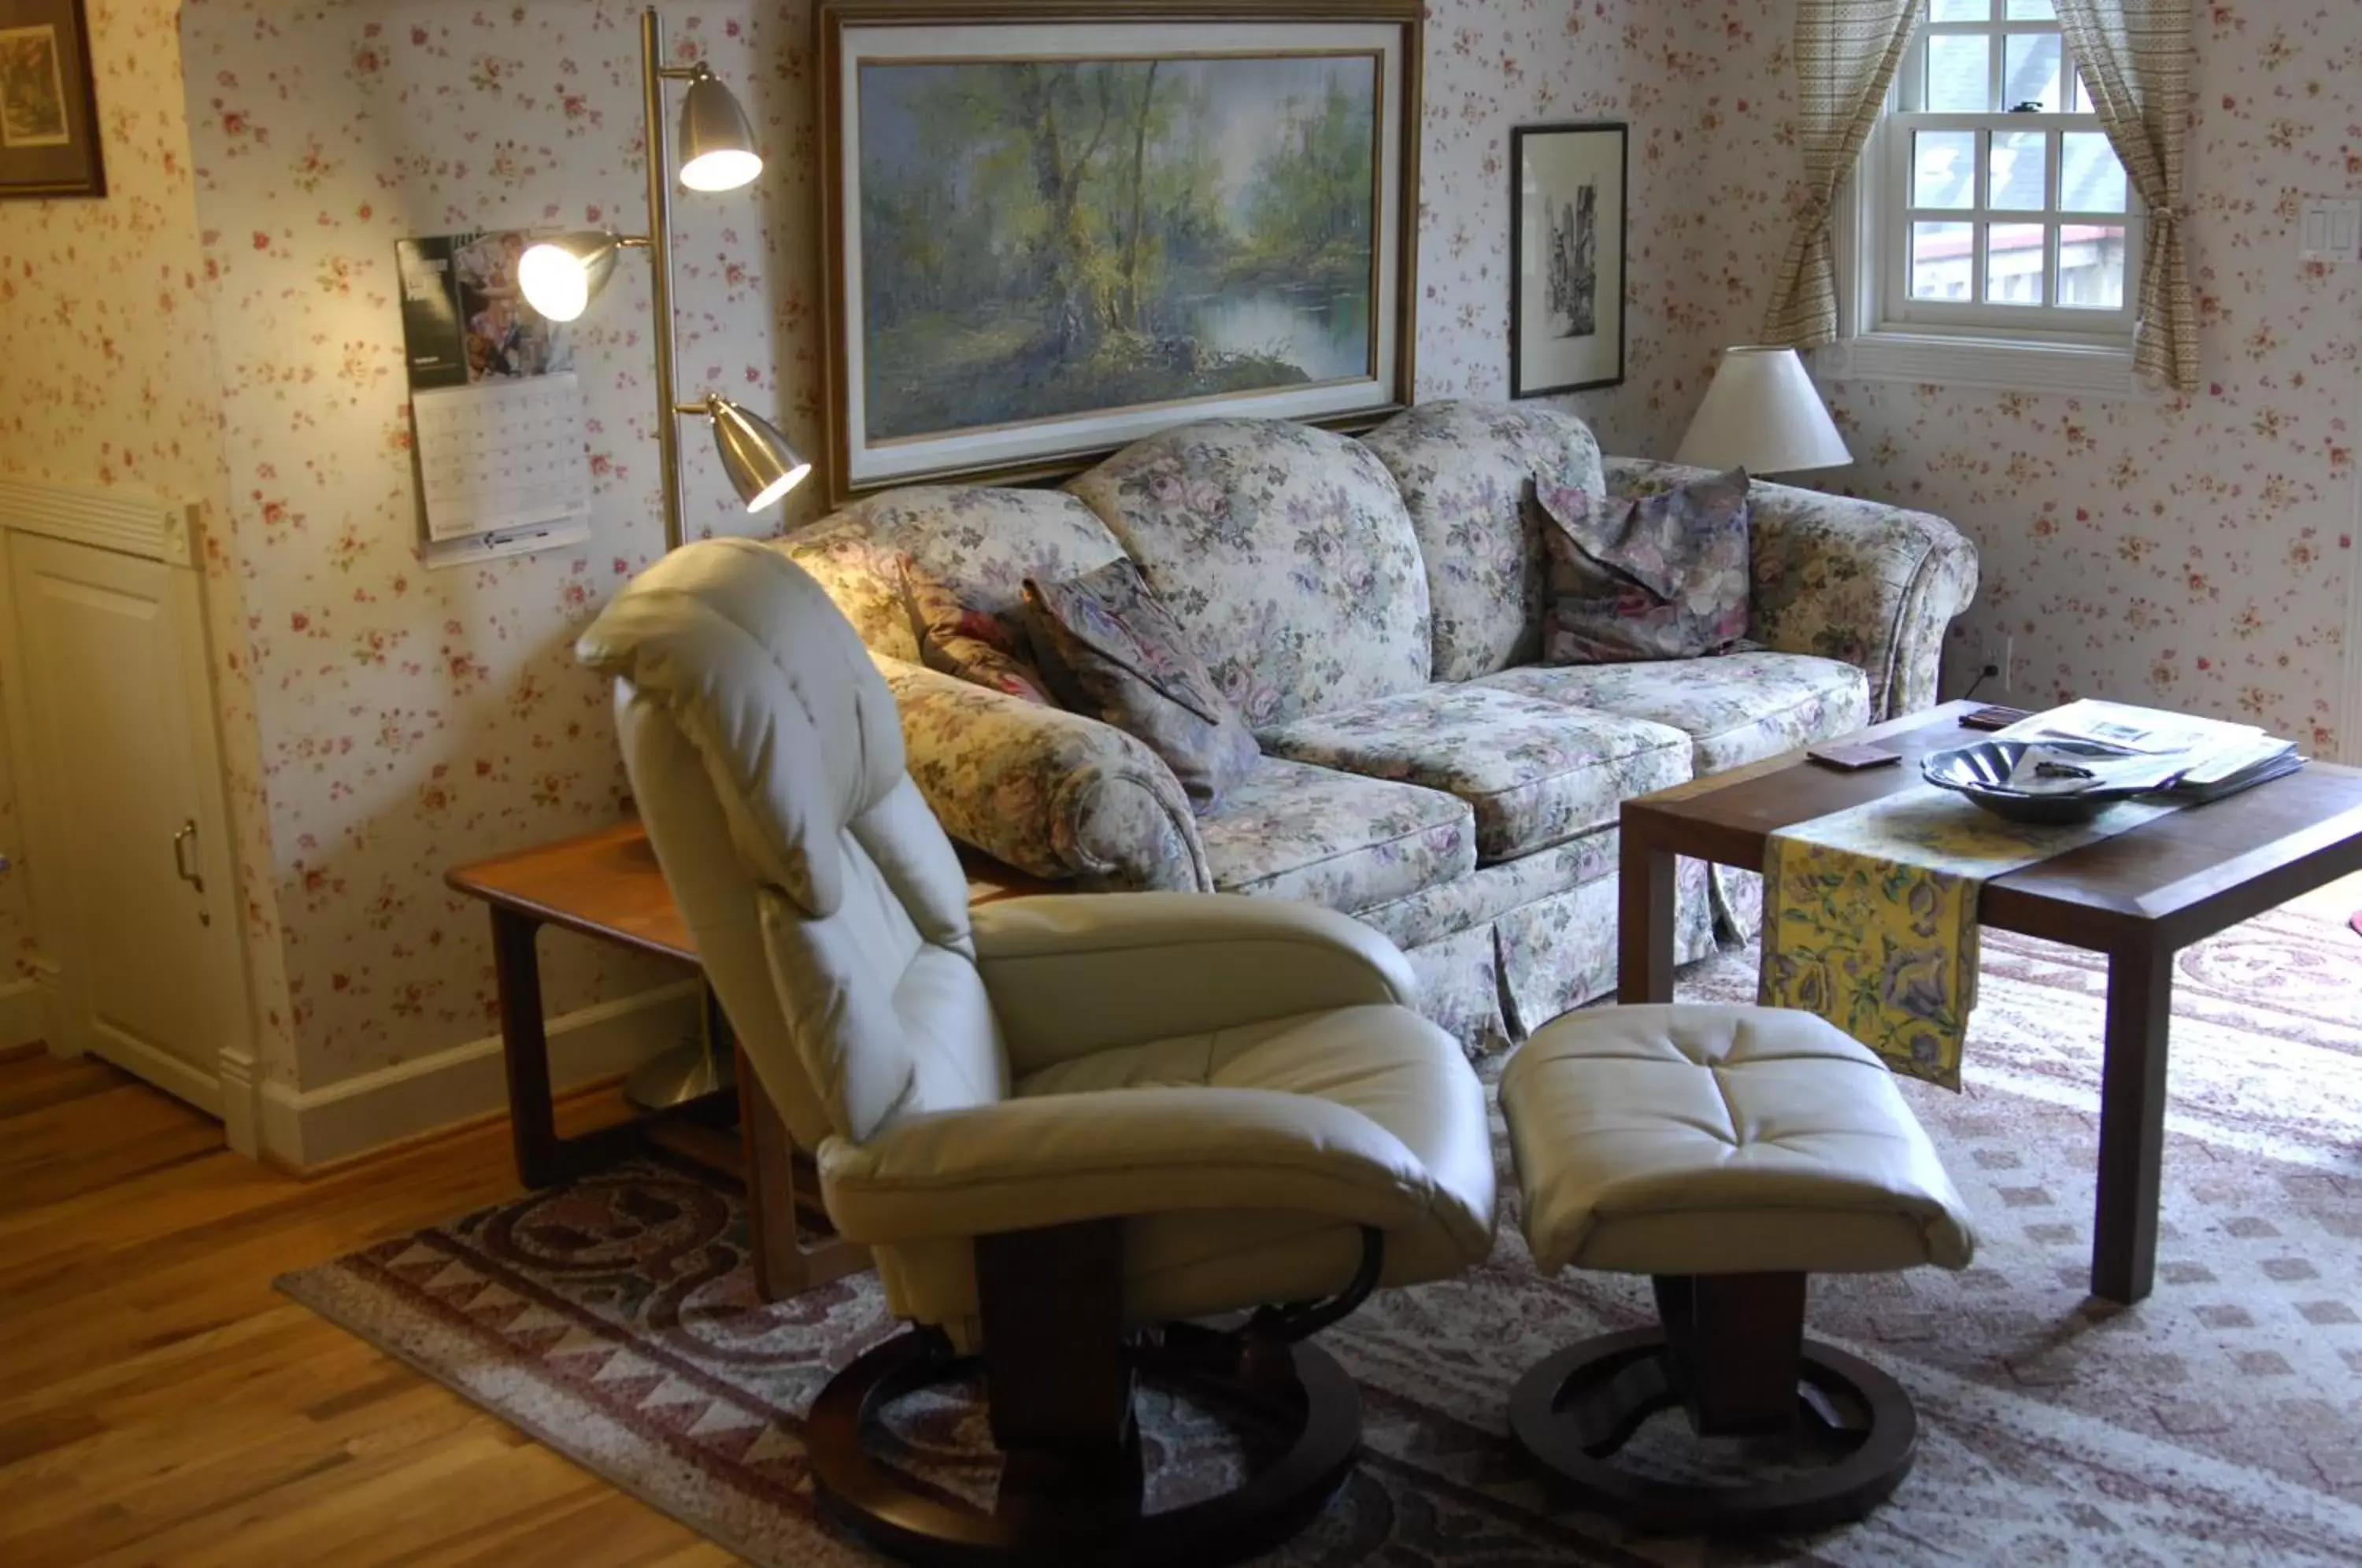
pixel 1042 238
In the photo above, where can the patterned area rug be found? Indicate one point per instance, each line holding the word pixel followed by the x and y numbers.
pixel 2218 1422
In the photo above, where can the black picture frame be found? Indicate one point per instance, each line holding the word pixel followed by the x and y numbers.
pixel 1559 334
pixel 50 140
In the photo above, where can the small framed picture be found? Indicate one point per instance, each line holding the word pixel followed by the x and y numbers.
pixel 48 106
pixel 1566 291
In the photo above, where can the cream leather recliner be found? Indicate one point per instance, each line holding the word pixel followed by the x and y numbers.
pixel 1065 1125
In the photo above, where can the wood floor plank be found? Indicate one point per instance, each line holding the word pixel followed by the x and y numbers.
pixel 161 1403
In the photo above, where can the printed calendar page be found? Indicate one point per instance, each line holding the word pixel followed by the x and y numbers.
pixel 502 454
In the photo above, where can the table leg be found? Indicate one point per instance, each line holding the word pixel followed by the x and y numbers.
pixel 1644 921
pixel 2132 1124
pixel 782 1194
pixel 524 1048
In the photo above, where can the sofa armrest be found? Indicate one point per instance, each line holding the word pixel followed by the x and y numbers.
pixel 1055 794
pixel 1859 580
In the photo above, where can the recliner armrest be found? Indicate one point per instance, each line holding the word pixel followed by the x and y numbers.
pixel 1070 975
pixel 1057 795
pixel 1106 1153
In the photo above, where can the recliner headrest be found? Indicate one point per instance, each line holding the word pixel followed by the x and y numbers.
pixel 794 724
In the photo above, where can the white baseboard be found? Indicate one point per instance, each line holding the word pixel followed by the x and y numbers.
pixel 302 1129
pixel 24 1014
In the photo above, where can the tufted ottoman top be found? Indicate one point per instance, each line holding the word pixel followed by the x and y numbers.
pixel 1676 1139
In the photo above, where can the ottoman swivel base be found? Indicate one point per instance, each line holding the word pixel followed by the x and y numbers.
pixel 1732 1353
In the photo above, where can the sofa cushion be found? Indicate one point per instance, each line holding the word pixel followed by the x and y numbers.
pixel 1648 576
pixel 1736 708
pixel 1468 472
pixel 1110 649
pixel 979 543
pixel 1288 831
pixel 1534 771
pixel 1283 550
pixel 965 642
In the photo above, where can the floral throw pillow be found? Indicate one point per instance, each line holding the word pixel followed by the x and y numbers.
pixel 1111 649
pixel 973 644
pixel 1646 577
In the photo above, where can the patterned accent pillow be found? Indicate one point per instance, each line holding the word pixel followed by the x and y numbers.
pixel 1646 577
pixel 1111 649
pixel 973 645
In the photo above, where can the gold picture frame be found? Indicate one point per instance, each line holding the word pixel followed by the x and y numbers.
pixel 1051 227
pixel 49 142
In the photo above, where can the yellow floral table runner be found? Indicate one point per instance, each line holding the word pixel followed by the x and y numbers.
pixel 1869 916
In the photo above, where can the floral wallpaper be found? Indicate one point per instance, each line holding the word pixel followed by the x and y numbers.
pixel 235 298
pixel 107 378
pixel 2191 552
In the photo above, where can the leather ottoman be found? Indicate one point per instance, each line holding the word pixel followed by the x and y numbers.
pixel 1728 1153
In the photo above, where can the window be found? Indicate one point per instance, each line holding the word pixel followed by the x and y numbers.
pixel 1992 208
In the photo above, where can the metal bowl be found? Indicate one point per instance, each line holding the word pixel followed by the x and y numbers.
pixel 1981 773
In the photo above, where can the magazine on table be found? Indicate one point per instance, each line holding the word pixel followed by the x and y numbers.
pixel 2092 745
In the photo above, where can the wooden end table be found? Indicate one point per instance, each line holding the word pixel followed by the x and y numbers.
pixel 607 886
pixel 2138 897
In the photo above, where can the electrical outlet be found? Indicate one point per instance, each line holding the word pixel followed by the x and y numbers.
pixel 1999 656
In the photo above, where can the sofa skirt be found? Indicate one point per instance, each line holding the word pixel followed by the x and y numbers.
pixel 1494 983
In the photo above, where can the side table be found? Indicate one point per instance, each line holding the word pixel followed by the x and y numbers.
pixel 607 886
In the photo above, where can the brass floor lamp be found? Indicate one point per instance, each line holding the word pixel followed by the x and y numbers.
pixel 559 277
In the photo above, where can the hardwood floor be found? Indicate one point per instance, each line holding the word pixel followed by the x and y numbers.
pixel 159 1403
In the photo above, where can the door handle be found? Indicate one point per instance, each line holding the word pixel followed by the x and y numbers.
pixel 181 843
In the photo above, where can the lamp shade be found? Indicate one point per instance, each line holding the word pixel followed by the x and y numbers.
pixel 762 466
pixel 717 146
pixel 1764 413
pixel 559 276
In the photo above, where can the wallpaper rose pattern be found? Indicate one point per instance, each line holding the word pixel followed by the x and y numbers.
pixel 232 303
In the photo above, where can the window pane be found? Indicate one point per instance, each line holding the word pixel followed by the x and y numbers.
pixel 1944 168
pixel 1943 258
pixel 2091 180
pixel 2021 174
pixel 2014 254
pixel 1959 68
pixel 1960 11
pixel 2032 10
pixel 2091 266
pixel 2032 73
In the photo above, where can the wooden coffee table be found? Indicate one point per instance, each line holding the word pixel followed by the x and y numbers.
pixel 2139 898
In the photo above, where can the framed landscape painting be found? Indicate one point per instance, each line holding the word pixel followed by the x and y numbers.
pixel 1566 291
pixel 48 110
pixel 1054 228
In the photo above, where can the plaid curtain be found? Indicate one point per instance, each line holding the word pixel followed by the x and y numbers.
pixel 2136 58
pixel 1847 54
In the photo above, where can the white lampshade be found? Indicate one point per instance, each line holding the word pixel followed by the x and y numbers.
pixel 1764 413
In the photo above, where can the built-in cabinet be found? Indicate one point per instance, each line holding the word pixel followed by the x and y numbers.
pixel 104 667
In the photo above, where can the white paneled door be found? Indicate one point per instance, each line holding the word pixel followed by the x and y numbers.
pixel 131 879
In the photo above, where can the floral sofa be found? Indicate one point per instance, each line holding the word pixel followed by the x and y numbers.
pixel 1374 608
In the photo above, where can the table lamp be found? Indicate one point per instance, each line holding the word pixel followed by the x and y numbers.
pixel 1764 413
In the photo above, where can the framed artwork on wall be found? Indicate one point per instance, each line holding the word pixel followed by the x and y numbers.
pixel 49 101
pixel 1566 224
pixel 1051 227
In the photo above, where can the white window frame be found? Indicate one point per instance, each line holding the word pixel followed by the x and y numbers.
pixel 1887 336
